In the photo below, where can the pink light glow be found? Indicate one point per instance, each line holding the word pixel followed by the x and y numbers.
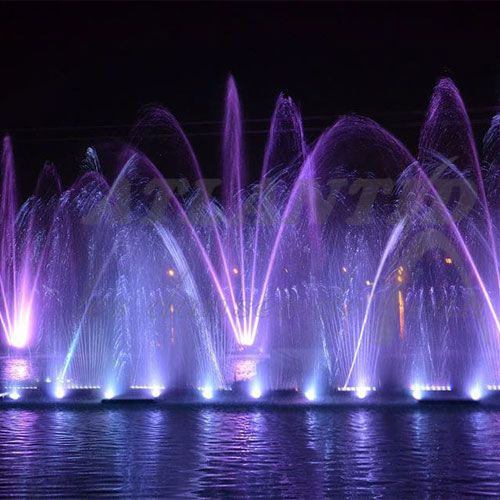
pixel 17 317
pixel 20 334
pixel 16 283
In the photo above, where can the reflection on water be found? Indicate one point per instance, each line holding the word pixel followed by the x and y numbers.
pixel 16 370
pixel 272 452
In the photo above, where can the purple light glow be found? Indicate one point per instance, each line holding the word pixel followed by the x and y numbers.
pixel 291 280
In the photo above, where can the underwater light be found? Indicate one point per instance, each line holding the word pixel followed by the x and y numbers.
pixel 14 395
pixel 59 392
pixel 475 394
pixel 207 392
pixel 310 394
pixel 417 394
pixel 156 392
pixel 255 392
pixel 109 394
pixel 361 392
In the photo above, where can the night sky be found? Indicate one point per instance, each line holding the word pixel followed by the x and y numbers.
pixel 76 74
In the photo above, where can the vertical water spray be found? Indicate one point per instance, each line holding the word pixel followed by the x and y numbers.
pixel 16 286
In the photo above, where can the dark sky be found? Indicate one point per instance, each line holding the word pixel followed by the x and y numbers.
pixel 75 73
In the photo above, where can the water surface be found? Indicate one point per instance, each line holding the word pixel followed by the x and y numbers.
pixel 160 451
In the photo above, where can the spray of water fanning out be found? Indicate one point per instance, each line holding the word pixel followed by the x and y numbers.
pixel 349 263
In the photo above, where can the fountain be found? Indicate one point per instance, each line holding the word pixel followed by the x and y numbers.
pixel 350 268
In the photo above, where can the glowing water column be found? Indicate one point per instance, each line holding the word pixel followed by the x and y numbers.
pixel 16 290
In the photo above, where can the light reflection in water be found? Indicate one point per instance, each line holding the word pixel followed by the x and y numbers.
pixel 170 452
pixel 17 370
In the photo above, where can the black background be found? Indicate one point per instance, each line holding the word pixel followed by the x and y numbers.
pixel 74 74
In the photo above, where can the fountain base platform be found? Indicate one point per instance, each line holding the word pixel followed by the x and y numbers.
pixel 241 394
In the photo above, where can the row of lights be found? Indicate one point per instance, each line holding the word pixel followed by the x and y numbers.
pixel 208 391
pixel 147 387
pixel 60 390
pixel 361 391
pixel 362 388
pixel 417 390
pixel 475 393
pixel 310 394
pixel 427 387
pixel 81 387
pixel 21 387
pixel 155 390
